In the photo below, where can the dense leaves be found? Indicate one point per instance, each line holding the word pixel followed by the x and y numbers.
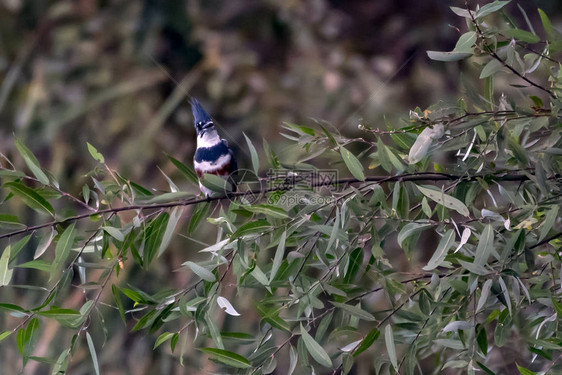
pixel 452 255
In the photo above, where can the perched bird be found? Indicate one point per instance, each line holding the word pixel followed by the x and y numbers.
pixel 212 156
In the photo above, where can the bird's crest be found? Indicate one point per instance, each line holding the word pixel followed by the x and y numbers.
pixel 200 116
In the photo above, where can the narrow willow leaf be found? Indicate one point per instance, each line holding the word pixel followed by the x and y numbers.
pixel 464 238
pixel 227 306
pixel 466 42
pixel 36 264
pixel 92 349
pixel 315 350
pixel 32 162
pixel 484 294
pixel 95 153
pixel 491 68
pixel 4 335
pixel 5 272
pixel 411 229
pixel 30 197
pixel 187 171
pixel 216 247
pixel 170 197
pixel 253 227
pixel 163 338
pixel 118 302
pixel 443 247
pixel 355 311
pixel 444 199
pixel 522 35
pixel 268 210
pixel 371 337
pixel 64 244
pixel 253 154
pixel 199 213
pixel 490 8
pixel 524 371
pixel 278 258
pixel 200 271
pixel 9 221
pixel 175 216
pixel 485 245
pixel 448 56
pixel 548 222
pixel 215 183
pixel 505 293
pixel 115 233
pixel 227 357
pixel 153 237
pixel 547 25
pixel 334 231
pixel 44 244
pixel 293 360
pixel 352 164
pixel 390 348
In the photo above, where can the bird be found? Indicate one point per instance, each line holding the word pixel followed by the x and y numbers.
pixel 212 155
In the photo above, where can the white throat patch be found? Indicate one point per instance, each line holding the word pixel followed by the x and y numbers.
pixel 208 139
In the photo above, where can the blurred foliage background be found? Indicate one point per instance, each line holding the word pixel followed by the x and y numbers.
pixel 116 73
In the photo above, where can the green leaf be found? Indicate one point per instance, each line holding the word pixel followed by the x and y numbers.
pixel 11 307
pixel 253 227
pixel 115 233
pixel 187 171
pixel 548 222
pixel 37 264
pixel 355 262
pixel 227 357
pixel 200 271
pixel 95 153
pixel 199 213
pixel 118 302
pixel 444 199
pixel 411 229
pixel 153 237
pixel 466 42
pixel 175 216
pixel 4 335
pixel 30 197
pixel 522 35
pixel 170 197
pixel 371 337
pixel 491 68
pixel 448 56
pixel 5 272
pixel 253 154
pixel 352 164
pixel 445 244
pixel 355 311
pixel 216 183
pixel 523 370
pixel 315 350
pixel 484 294
pixel 32 162
pixel 64 244
pixel 268 210
pixel 390 348
pixel 490 8
pixel 547 25
pixel 162 339
pixel 278 258
pixel 485 245
pixel 92 349
pixel 10 221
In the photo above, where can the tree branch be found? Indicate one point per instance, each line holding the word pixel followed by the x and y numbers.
pixel 422 176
